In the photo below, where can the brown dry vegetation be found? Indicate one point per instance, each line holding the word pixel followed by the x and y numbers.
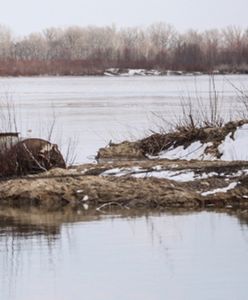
pixel 84 188
pixel 90 50
pixel 181 136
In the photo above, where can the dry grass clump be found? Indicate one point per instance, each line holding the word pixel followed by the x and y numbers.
pixel 184 136
pixel 200 120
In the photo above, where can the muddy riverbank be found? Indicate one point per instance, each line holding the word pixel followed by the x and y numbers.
pixel 146 184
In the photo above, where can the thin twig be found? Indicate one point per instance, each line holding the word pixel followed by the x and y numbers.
pixel 33 158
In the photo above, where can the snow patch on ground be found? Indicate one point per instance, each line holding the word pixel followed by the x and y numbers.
pixel 221 190
pixel 235 148
pixel 172 175
pixel 236 174
pixel 194 151
pixel 158 172
pixel 180 176
pixel 118 172
pixel 232 148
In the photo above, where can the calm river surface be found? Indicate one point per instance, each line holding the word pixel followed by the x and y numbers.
pixel 91 111
pixel 189 256
pixel 181 256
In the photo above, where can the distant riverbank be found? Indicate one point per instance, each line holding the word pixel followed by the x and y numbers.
pixel 77 68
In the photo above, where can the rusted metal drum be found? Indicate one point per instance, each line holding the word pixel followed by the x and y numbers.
pixel 27 156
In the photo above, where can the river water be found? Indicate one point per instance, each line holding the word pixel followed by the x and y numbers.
pixel 199 255
pixel 92 111
pixel 191 256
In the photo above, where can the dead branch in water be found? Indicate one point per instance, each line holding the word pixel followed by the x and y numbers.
pixel 99 208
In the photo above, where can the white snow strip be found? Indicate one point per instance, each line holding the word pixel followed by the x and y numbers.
pixel 206 175
pixel 176 175
pixel 172 175
pixel 237 174
pixel 121 171
pixel 194 151
pixel 236 148
pixel 131 72
pixel 221 190
pixel 137 172
pixel 114 171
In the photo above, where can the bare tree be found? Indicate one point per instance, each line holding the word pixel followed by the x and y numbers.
pixel 90 50
pixel 6 40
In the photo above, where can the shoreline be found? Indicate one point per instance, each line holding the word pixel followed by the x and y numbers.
pixel 90 187
pixel 102 73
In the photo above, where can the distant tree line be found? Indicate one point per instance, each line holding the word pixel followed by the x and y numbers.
pixel 91 50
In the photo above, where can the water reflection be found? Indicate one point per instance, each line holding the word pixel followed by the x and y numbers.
pixel 70 255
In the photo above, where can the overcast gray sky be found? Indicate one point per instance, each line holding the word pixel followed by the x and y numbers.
pixel 25 16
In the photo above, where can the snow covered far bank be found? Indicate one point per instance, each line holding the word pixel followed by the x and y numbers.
pixel 144 72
